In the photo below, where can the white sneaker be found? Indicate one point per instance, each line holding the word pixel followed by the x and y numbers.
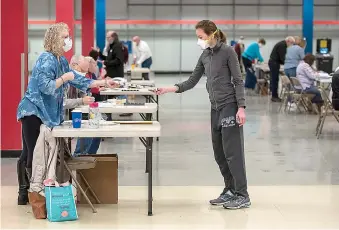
pixel 292 106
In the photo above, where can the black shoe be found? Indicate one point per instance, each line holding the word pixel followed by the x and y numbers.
pixel 23 183
pixel 238 202
pixel 23 198
pixel 222 199
pixel 276 99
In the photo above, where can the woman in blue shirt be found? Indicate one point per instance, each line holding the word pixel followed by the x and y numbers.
pixel 294 55
pixel 252 53
pixel 43 100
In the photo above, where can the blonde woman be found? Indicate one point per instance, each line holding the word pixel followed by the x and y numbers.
pixel 43 100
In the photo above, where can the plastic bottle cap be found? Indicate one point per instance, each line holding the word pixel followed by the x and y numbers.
pixel 94 105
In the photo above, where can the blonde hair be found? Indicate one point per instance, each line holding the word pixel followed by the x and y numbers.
pixel 53 42
pixel 290 39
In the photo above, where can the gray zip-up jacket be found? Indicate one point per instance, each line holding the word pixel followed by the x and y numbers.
pixel 224 80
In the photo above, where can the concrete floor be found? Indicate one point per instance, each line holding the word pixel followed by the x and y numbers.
pixel 285 165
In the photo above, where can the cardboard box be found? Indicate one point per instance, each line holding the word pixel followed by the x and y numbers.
pixel 103 179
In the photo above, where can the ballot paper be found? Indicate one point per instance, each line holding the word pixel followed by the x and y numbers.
pixel 324 75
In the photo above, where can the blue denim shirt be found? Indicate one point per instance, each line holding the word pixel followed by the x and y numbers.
pixel 42 99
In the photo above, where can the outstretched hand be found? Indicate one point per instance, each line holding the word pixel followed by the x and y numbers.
pixel 160 91
pixel 112 84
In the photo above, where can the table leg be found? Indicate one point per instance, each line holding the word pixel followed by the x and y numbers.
pixel 148 99
pixel 158 108
pixel 158 112
pixel 148 118
pixel 149 141
pixel 62 160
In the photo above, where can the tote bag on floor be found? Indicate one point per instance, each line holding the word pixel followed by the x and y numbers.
pixel 60 203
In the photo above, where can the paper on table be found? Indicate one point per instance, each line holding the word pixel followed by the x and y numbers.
pixel 102 122
pixel 105 105
pixel 324 75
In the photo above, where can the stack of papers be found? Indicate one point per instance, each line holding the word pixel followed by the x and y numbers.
pixel 324 75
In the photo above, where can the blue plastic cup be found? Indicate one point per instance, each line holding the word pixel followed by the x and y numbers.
pixel 76 119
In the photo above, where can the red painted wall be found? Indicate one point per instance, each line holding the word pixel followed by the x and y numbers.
pixel 87 27
pixel 14 41
pixel 64 12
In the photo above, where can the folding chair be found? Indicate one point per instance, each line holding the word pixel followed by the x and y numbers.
pixel 285 91
pixel 299 95
pixel 76 163
pixel 327 107
pixel 263 82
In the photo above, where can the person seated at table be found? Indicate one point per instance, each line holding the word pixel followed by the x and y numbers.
pixel 335 90
pixel 307 77
pixel 43 99
pixel 85 65
pixel 251 54
pixel 80 64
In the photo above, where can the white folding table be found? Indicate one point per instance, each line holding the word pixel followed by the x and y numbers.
pixel 143 82
pixel 145 110
pixel 149 94
pixel 144 130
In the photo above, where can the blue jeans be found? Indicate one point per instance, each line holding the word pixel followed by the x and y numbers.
pixel 251 79
pixel 146 64
pixel 314 90
pixel 292 72
pixel 89 145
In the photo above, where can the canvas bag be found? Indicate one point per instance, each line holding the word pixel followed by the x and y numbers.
pixel 60 203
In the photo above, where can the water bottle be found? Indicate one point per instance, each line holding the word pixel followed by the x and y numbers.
pixel 94 115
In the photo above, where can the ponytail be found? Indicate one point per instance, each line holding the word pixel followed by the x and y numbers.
pixel 221 36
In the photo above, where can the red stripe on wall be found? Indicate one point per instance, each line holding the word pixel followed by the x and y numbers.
pixel 193 22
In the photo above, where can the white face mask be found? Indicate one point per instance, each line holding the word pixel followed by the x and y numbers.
pixel 68 44
pixel 260 45
pixel 79 73
pixel 203 44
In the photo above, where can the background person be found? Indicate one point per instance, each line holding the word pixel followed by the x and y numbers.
pixel 277 58
pixel 307 76
pixel 294 55
pixel 226 89
pixel 251 54
pixel 114 60
pixel 142 55
pixel 335 90
pixel 239 49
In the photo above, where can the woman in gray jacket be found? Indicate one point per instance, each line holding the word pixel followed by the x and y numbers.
pixel 226 92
